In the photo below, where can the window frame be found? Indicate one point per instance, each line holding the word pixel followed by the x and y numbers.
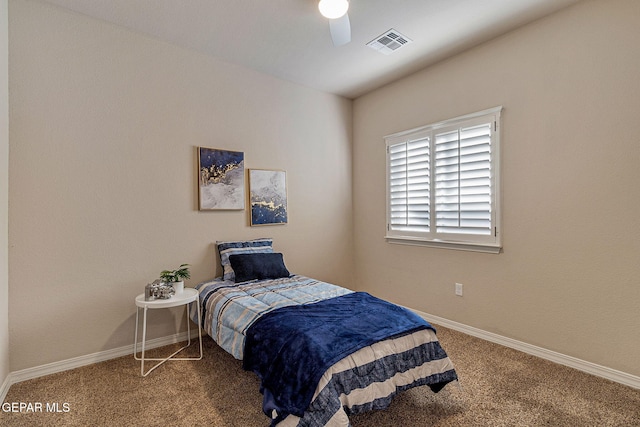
pixel 491 243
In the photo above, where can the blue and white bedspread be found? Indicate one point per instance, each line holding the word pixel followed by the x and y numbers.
pixel 229 308
pixel 364 380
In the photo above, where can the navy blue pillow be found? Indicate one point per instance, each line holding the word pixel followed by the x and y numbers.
pixel 258 266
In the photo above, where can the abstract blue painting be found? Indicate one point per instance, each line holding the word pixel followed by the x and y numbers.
pixel 221 179
pixel 268 195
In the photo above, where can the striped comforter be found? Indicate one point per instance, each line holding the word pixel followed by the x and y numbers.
pixel 228 308
pixel 367 379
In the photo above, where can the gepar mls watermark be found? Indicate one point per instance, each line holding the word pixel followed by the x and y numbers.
pixel 33 407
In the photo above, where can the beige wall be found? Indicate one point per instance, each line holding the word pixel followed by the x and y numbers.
pixel 568 279
pixel 104 125
pixel 4 194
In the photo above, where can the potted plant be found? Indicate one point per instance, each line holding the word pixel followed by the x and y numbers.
pixel 176 277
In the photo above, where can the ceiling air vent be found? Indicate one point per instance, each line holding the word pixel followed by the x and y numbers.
pixel 389 42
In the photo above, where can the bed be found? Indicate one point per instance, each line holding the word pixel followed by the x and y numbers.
pixel 321 351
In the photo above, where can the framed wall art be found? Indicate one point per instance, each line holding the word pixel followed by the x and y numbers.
pixel 220 179
pixel 268 196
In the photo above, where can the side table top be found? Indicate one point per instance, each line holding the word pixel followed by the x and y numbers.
pixel 184 297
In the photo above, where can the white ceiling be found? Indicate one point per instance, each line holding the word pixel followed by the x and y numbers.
pixel 289 39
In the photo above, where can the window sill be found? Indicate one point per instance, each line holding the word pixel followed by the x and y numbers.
pixel 459 246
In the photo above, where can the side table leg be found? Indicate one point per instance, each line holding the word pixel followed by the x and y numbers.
pixel 144 338
pixel 135 336
pixel 186 310
pixel 199 327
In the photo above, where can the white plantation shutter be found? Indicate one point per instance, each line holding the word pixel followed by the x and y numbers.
pixel 443 184
pixel 409 186
pixel 463 180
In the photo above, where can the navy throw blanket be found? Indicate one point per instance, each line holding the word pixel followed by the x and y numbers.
pixel 291 347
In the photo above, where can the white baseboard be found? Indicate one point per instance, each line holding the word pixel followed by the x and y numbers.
pixel 77 362
pixel 543 353
pixel 572 362
pixel 4 389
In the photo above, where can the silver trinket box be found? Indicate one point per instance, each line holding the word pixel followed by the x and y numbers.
pixel 158 290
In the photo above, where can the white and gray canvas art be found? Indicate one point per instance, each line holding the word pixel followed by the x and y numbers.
pixel 268 194
pixel 221 181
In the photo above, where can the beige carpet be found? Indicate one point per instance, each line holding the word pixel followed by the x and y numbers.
pixel 498 387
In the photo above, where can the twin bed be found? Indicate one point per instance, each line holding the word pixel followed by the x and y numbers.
pixel 321 351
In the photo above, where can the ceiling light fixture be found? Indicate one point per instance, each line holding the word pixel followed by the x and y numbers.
pixel 333 9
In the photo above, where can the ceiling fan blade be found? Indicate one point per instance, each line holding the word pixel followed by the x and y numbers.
pixel 340 29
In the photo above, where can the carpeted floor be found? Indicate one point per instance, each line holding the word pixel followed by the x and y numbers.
pixel 498 387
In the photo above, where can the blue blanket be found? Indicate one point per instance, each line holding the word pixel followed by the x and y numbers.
pixel 228 308
pixel 291 347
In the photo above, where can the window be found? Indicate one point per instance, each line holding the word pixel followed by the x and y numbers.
pixel 443 184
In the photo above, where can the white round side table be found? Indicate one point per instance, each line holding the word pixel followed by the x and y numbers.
pixel 185 297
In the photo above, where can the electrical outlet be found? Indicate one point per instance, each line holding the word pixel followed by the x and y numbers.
pixel 459 289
